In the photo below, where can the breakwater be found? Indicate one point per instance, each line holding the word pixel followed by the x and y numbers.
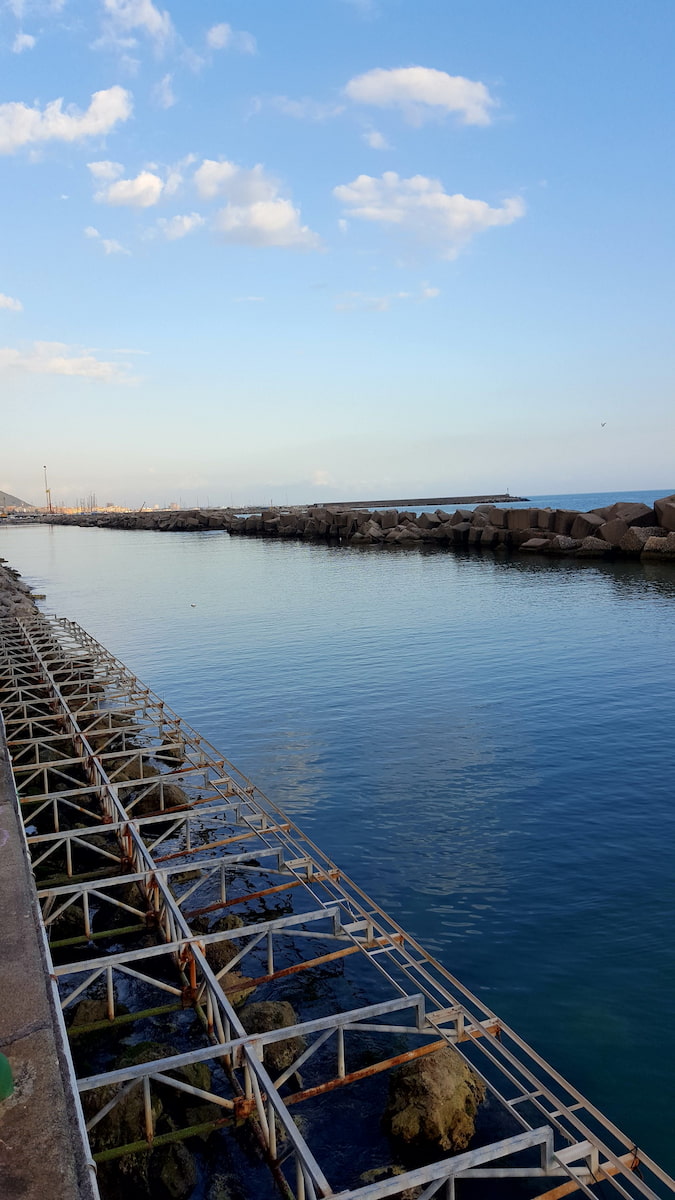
pixel 621 530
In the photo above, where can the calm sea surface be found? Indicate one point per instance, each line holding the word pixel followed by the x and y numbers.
pixel 486 746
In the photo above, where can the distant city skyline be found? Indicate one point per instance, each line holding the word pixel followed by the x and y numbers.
pixel 258 252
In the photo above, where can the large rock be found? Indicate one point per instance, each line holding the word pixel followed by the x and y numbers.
pixel 612 531
pixel 585 525
pixel 561 544
pixel 665 512
pixel 631 513
pixel 521 518
pixel 563 520
pixel 428 520
pixel 433 1102
pixel 535 544
pixel 460 515
pixel 264 1015
pixel 593 547
pixel 662 548
pixel 634 541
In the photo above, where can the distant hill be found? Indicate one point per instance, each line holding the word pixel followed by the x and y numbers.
pixel 7 501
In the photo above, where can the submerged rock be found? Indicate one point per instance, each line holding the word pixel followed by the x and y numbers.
pixel 433 1102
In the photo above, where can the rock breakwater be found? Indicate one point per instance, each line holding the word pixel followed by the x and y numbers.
pixel 16 599
pixel 621 530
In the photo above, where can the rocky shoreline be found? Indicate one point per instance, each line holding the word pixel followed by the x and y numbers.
pixel 622 530
pixel 16 598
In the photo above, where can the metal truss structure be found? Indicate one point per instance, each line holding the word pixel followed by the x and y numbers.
pixel 140 835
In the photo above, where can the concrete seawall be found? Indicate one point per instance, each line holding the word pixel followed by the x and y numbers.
pixel 622 530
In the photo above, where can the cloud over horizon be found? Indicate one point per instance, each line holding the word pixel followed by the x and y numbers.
pixel 58 358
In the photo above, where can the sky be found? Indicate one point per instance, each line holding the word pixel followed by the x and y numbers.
pixel 334 249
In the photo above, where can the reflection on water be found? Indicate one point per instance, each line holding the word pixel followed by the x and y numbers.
pixel 485 745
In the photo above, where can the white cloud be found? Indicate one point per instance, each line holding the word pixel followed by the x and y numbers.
pixel 126 16
pixel 163 94
pixel 10 303
pixel 142 192
pixel 106 170
pixel 359 301
pixel 111 246
pixel 22 126
pixel 22 41
pixel 421 91
pixel 265 223
pixel 255 213
pixel 224 37
pixel 179 226
pixel 56 358
pixel 376 140
pixel 249 299
pixel 108 245
pixel 240 184
pixel 305 109
pixel 423 207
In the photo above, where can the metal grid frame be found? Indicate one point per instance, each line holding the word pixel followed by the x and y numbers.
pixel 83 734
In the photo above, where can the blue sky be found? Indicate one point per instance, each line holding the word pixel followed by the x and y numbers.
pixel 297 251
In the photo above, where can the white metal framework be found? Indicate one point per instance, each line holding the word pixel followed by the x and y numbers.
pixel 131 816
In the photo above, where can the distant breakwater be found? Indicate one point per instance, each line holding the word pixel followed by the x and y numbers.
pixel 622 530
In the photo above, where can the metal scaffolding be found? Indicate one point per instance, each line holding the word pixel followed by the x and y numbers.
pixel 129 815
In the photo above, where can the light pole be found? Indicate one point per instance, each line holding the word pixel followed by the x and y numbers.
pixel 48 493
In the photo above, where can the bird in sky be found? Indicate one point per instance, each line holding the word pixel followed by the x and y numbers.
pixel 602 424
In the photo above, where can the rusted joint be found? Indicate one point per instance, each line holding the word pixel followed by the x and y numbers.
pixel 188 996
pixel 127 865
pixel 243 1108
pixel 151 919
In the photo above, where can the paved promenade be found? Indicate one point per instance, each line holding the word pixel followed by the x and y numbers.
pixel 37 1158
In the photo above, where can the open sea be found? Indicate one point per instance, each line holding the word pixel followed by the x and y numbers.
pixel 486 745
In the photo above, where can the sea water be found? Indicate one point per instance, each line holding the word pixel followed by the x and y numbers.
pixel 485 744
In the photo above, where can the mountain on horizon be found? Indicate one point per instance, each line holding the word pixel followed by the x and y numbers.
pixel 7 501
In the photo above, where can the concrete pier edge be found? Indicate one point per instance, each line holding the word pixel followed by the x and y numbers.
pixel 43 1148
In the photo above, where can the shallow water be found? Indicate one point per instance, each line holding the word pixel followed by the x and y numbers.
pixel 486 746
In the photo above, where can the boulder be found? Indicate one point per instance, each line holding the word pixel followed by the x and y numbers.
pixel 662 548
pixel 488 537
pixel 389 519
pixel 585 525
pixel 535 544
pixel 478 519
pixel 460 533
pixel 632 514
pixel 545 518
pixel 433 1102
pixel 520 518
pixel 374 531
pixel 264 1015
pixel 460 515
pixel 612 531
pixel 475 535
pixel 563 520
pixel 442 515
pixel 428 520
pixel 665 512
pixel 560 544
pixel 219 954
pixel 634 541
pixel 593 547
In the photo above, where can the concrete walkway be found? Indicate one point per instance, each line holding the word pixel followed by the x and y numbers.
pixel 40 1153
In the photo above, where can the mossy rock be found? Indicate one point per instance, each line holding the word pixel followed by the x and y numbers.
pixel 196 1074
pixel 263 1015
pixel 433 1102
pixel 219 954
